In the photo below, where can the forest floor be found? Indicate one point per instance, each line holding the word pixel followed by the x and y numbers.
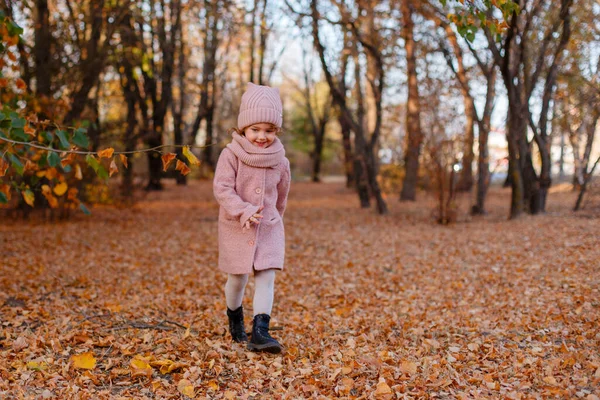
pixel 128 303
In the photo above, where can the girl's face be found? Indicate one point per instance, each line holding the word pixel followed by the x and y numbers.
pixel 261 135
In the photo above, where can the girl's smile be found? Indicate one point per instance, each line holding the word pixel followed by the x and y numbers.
pixel 261 135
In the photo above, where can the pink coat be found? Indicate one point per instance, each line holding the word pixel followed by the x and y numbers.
pixel 246 178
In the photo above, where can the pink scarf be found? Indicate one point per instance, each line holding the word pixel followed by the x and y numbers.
pixel 255 156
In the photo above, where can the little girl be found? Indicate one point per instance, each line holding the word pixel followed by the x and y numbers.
pixel 251 184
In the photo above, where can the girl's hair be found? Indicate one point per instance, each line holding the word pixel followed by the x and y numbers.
pixel 241 131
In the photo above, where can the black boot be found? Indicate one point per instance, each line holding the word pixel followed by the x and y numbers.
pixel 261 340
pixel 236 325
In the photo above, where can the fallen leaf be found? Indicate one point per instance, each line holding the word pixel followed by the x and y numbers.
pixel 186 388
pixel 84 361
pixel 408 367
pixel 382 388
pixel 140 367
pixel 20 343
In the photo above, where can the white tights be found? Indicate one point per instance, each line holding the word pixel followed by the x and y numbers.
pixel 264 284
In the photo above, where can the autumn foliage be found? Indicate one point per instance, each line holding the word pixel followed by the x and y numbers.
pixel 130 304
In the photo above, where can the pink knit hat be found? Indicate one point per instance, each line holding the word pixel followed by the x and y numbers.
pixel 260 104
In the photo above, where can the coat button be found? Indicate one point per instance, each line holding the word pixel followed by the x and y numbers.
pixel 251 242
pixel 258 190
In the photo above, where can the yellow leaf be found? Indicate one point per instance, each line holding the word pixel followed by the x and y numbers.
pixel 190 156
pixel 140 367
pixel 84 361
pixel 78 173
pixel 382 388
pixel 167 366
pixel 34 365
pixel 106 153
pixel 213 385
pixel 167 159
pixel 113 168
pixel 183 168
pixel 60 189
pixel 123 158
pixel 186 388
pixel 28 197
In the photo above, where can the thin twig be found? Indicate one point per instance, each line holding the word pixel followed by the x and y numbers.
pixel 95 152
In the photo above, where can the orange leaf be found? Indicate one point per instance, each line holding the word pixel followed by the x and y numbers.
pixel 382 388
pixel 29 130
pixel 183 168
pixel 84 361
pixel 67 160
pixel 106 153
pixel 113 168
pixel 167 159
pixel 123 158
pixel 21 84
pixel 408 367
pixel 47 192
pixel 3 167
pixel 3 82
pixel 29 166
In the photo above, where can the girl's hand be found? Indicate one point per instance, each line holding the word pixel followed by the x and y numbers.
pixel 254 219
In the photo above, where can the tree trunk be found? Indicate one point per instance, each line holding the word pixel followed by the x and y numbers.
pixel 317 155
pixel 347 143
pixel 516 127
pixel 413 119
pixel 465 182
pixel 42 48
pixel 483 161
pixel 92 64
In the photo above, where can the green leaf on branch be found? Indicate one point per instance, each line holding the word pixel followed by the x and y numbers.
pixel 96 166
pixel 14 29
pixel 53 159
pixel 3 199
pixel 16 163
pixel 17 122
pixel 62 136
pixel 80 138
pixel 85 210
pixel 18 134
pixel 49 136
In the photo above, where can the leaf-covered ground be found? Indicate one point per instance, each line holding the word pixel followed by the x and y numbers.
pixel 129 304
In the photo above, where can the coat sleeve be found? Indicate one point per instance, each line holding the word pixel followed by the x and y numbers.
pixel 224 188
pixel 283 188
